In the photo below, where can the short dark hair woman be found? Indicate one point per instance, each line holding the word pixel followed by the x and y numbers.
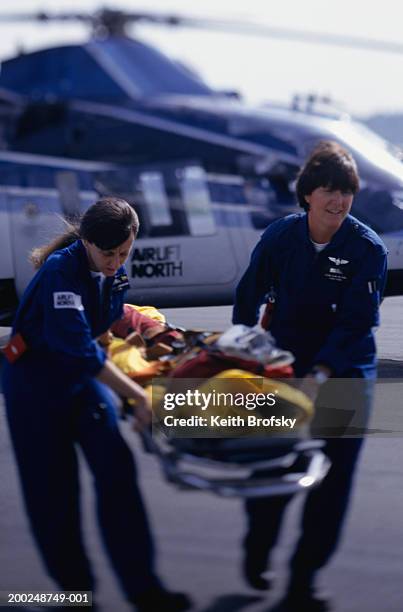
pixel 57 394
pixel 330 166
pixel 325 273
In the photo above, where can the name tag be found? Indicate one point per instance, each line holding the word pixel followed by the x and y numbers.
pixel 67 299
pixel 336 269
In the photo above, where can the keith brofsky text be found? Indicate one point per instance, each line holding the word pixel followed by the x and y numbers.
pixel 231 421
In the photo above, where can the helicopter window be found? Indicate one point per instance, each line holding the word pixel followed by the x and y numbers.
pixel 381 210
pixel 269 199
pixel 68 187
pixel 154 192
pixel 159 204
pixel 152 186
pixel 196 199
pixel 143 71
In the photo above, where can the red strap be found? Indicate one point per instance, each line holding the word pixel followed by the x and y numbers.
pixel 15 348
pixel 267 315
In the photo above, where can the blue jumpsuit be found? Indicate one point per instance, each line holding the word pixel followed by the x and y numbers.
pixel 326 306
pixel 54 402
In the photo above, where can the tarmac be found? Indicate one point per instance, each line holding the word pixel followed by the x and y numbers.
pixel 198 535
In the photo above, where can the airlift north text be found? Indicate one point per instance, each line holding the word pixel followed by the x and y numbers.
pixel 157 262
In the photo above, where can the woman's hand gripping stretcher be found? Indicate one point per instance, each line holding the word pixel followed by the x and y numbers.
pixel 138 399
pixel 135 345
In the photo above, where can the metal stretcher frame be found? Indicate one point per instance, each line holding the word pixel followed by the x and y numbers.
pixel 302 468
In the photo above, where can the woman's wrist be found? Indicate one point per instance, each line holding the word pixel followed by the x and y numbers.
pixel 112 376
pixel 321 373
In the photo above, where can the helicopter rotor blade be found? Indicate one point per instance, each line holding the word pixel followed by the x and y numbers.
pixel 255 29
pixel 115 22
pixel 44 17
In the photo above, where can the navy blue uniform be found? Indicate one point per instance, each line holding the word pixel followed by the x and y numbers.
pixel 326 306
pixel 326 303
pixel 53 402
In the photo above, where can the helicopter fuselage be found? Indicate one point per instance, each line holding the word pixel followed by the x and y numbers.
pixel 206 173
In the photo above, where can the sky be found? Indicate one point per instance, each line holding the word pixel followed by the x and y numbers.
pixel 261 70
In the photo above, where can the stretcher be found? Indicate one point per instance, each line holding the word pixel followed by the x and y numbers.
pixel 259 465
pixel 255 465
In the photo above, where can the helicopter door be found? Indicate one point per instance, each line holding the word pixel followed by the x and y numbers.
pixel 6 259
pixel 73 202
pixel 33 223
pixel 184 243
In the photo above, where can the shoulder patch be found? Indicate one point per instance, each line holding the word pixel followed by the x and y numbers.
pixel 67 299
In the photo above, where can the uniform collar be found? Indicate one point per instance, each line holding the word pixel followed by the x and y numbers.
pixel 344 230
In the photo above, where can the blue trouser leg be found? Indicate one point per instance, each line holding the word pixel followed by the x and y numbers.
pixel 41 433
pixel 323 515
pixel 325 509
pixel 122 519
pixel 264 516
pixel 46 420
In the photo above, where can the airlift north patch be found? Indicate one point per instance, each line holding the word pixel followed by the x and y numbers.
pixel 67 299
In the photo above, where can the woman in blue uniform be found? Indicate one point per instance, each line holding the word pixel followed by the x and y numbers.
pixel 324 273
pixel 57 392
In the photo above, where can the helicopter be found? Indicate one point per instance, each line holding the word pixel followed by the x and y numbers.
pixel 205 172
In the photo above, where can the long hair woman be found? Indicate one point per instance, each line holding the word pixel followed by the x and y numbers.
pixel 58 395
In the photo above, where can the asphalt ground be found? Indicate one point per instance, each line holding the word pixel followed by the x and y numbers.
pixel 198 535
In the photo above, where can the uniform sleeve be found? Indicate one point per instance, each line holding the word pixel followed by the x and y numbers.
pixel 66 329
pixel 253 286
pixel 358 313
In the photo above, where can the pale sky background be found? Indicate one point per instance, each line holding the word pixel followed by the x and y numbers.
pixel 362 82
